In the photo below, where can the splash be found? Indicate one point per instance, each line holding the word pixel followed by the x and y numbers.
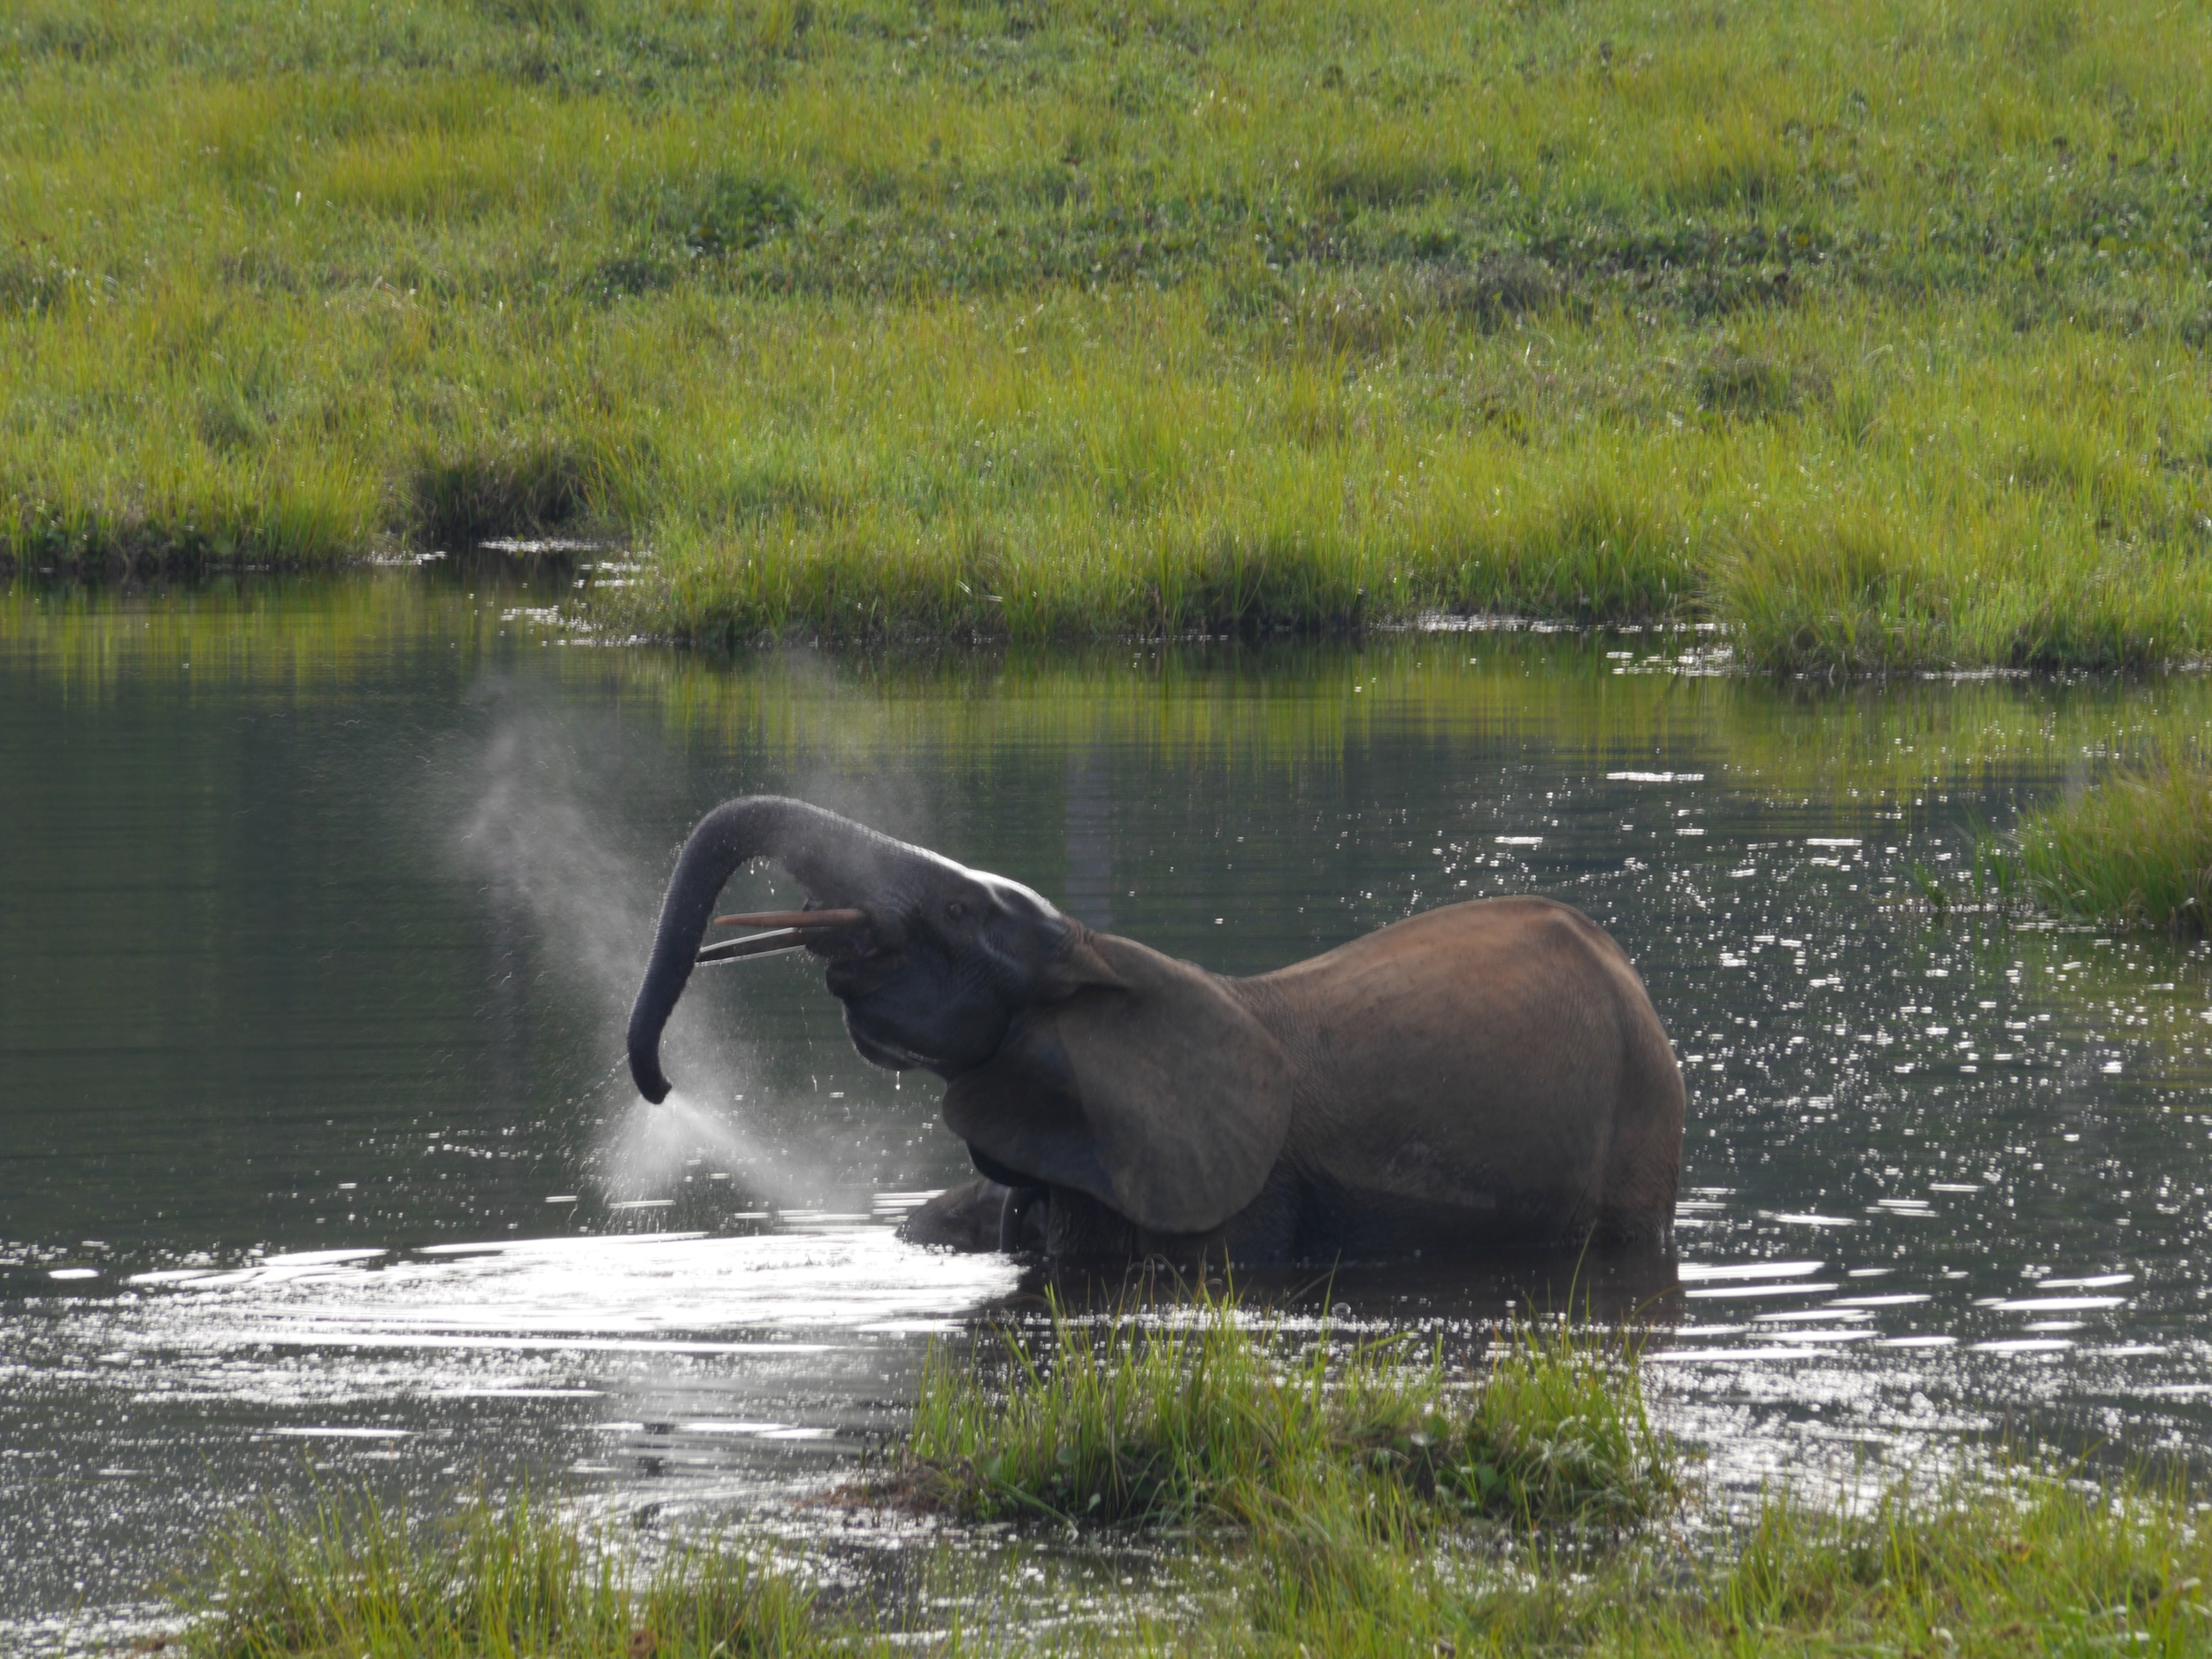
pixel 575 887
pixel 652 1146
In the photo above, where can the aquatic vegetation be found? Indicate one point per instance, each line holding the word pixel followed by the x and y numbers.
pixel 356 1579
pixel 1998 1557
pixel 1859 328
pixel 2135 849
pixel 1995 1561
pixel 1203 1416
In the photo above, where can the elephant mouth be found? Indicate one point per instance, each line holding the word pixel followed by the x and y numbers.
pixel 857 972
pixel 890 1057
pixel 857 967
pixel 878 1046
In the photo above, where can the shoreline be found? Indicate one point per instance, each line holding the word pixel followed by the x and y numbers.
pixel 898 640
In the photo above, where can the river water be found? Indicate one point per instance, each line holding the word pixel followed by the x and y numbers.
pixel 321 902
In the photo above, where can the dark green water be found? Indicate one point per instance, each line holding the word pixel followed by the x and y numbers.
pixel 320 906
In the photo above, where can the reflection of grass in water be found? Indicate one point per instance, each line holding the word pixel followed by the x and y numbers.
pixel 1201 1416
pixel 1060 320
pixel 1285 705
pixel 312 636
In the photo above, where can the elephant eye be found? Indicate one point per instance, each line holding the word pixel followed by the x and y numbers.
pixel 956 909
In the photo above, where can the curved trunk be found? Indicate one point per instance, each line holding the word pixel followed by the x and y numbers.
pixel 840 863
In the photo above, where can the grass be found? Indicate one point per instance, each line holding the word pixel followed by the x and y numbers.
pixel 2032 1564
pixel 1203 1419
pixel 1872 329
pixel 2135 849
pixel 1320 1501
pixel 2132 850
pixel 2024 1564
pixel 356 1579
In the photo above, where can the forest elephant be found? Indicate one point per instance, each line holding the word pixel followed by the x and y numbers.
pixel 1488 1074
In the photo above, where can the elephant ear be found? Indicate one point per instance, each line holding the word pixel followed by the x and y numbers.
pixel 1154 1090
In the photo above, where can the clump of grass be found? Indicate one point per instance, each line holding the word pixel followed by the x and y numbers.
pixel 464 495
pixel 2135 850
pixel 1203 1417
pixel 1994 1560
pixel 354 1578
pixel 2132 850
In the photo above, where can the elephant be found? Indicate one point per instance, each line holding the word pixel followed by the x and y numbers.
pixel 1485 1075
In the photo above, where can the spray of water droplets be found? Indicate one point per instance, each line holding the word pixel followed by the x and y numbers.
pixel 545 827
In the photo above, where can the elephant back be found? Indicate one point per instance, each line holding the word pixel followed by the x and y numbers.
pixel 1499 1061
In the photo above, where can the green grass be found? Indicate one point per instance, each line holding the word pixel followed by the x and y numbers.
pixel 354 1579
pixel 1349 1503
pixel 2016 1564
pixel 1204 1418
pixel 2135 849
pixel 1874 329
pixel 2132 850
pixel 1314 1501
pixel 2026 1565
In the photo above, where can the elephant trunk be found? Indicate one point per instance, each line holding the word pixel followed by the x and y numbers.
pixel 837 861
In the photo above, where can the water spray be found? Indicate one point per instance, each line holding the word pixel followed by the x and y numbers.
pixel 550 833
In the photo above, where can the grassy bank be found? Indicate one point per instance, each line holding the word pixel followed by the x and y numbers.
pixel 1319 1504
pixel 1876 330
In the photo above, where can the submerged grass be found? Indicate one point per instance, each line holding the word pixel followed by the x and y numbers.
pixel 1875 330
pixel 1205 1417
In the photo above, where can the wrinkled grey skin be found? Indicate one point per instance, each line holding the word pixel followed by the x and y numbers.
pixel 947 957
pixel 1489 1074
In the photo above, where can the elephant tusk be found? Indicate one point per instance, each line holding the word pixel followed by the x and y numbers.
pixel 794 919
pixel 759 945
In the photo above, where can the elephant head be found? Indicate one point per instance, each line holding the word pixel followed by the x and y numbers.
pixel 1077 1060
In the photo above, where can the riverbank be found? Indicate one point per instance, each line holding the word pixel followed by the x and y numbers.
pixel 1875 335
pixel 1356 1502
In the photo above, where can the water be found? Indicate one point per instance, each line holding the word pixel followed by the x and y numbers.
pixel 320 905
